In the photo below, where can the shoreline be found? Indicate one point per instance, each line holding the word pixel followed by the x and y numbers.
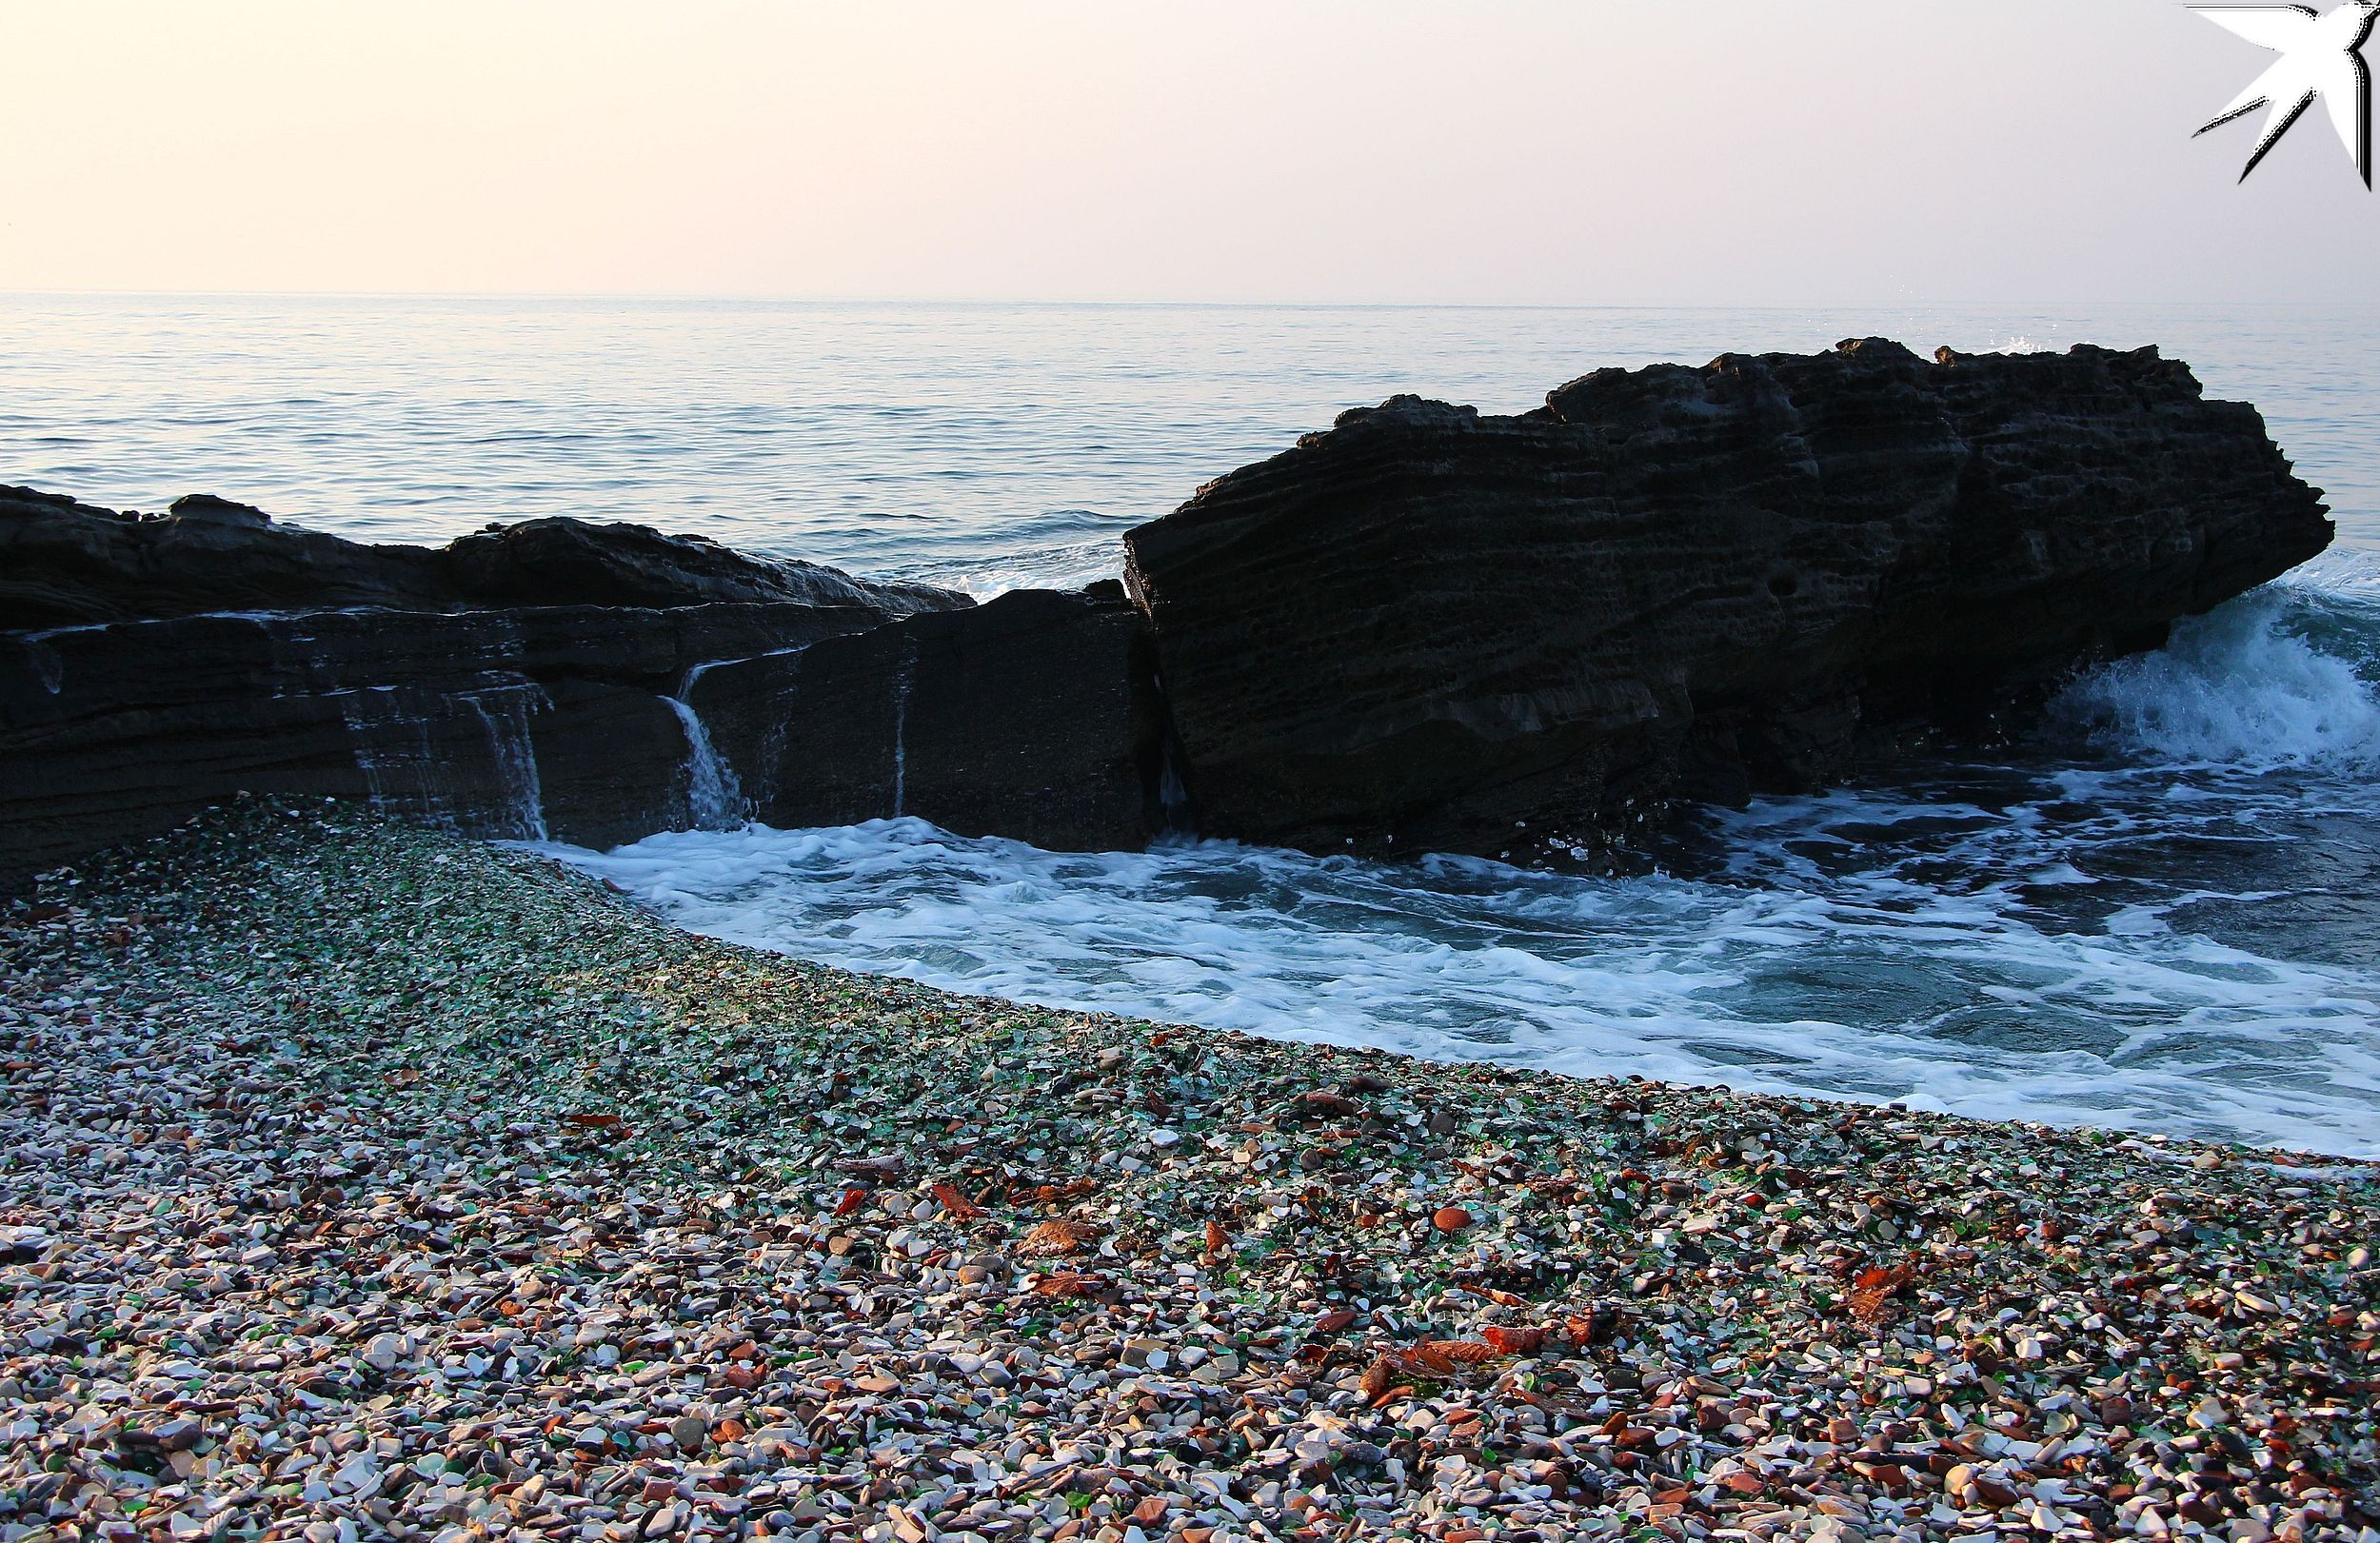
pixel 659 886
pixel 357 1180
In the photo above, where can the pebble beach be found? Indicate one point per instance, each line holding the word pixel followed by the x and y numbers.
pixel 360 1181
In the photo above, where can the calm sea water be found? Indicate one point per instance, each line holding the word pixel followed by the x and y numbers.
pixel 2164 914
pixel 981 443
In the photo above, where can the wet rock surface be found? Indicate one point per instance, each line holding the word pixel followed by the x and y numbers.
pixel 1031 717
pixel 549 721
pixel 66 564
pixel 682 685
pixel 1429 629
pixel 360 1181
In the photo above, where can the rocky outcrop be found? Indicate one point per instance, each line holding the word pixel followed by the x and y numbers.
pixel 547 720
pixel 1031 717
pixel 65 564
pixel 680 686
pixel 524 682
pixel 1426 629
pixel 556 562
pixel 1431 630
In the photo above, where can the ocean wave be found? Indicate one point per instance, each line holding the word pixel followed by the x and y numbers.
pixel 2280 676
pixel 1069 565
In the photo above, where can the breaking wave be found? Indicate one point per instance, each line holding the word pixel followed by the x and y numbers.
pixel 2250 685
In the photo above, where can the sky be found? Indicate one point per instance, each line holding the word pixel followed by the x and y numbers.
pixel 1486 152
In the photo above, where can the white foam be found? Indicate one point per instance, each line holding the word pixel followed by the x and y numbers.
pixel 1873 988
pixel 2019 343
pixel 2350 574
pixel 2238 686
pixel 2165 939
pixel 1067 566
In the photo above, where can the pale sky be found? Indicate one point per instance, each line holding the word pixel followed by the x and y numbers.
pixel 1713 151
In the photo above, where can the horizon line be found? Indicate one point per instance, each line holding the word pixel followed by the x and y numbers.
pixel 694 297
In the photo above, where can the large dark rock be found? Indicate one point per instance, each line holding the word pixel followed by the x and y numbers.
pixel 683 686
pixel 65 564
pixel 549 721
pixel 1426 629
pixel 1432 629
pixel 517 682
pixel 1029 716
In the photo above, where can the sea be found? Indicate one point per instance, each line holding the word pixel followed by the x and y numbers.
pixel 2160 913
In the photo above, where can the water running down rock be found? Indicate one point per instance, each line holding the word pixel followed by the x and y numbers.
pixel 714 797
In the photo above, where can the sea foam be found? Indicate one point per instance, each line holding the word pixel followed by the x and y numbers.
pixel 2245 685
pixel 2162 934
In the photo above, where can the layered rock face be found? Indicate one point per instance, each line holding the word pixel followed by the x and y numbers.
pixel 1430 629
pixel 533 682
pixel 1423 630
pixel 551 720
pixel 65 564
pixel 1029 716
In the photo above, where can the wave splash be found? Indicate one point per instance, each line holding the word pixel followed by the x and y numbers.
pixel 2249 685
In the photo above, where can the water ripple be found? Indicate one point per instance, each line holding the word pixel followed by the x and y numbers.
pixel 906 440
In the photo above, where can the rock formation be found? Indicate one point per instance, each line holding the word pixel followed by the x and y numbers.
pixel 534 680
pixel 545 721
pixel 65 564
pixel 1426 629
pixel 1430 629
pixel 1028 716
